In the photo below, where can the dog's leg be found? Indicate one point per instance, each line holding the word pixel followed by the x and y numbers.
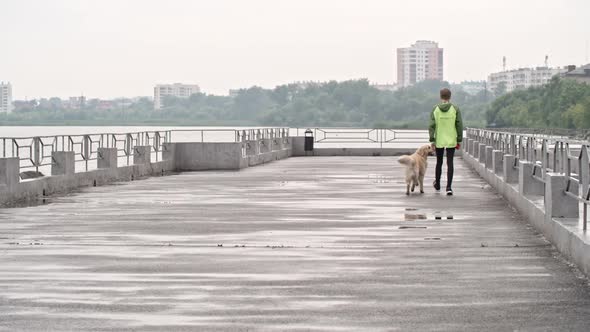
pixel 408 188
pixel 422 183
pixel 413 185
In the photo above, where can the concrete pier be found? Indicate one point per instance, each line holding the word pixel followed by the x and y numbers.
pixel 314 243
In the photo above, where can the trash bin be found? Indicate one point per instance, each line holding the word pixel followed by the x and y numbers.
pixel 308 140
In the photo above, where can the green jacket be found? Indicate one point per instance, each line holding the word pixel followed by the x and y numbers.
pixel 446 126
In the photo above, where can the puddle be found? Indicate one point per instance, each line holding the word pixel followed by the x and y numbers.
pixel 414 216
pixel 438 215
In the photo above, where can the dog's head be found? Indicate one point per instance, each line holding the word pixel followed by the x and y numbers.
pixel 425 151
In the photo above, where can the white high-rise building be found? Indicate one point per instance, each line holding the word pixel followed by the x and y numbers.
pixel 177 90
pixel 422 61
pixel 523 78
pixel 5 98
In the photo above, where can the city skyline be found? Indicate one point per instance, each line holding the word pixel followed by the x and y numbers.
pixel 83 47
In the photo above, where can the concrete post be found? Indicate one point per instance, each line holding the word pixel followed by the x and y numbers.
pixel 142 154
pixel 107 158
pixel 527 184
pixel 497 161
pixel 481 154
pixel 64 163
pixel 489 156
pixel 266 145
pixel 9 171
pixel 510 172
pixel 557 203
pixel 277 144
pixel 253 148
pixel 298 146
pixel 168 151
pixel 475 149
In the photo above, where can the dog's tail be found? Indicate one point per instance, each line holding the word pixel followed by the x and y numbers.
pixel 406 160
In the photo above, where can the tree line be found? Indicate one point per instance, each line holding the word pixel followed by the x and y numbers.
pixel 353 103
pixel 562 103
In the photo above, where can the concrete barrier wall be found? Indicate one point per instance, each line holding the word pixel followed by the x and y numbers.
pixel 61 184
pixel 547 208
pixel 207 156
pixel 226 156
pixel 177 157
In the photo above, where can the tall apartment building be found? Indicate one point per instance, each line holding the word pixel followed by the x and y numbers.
pixel 523 78
pixel 177 90
pixel 421 61
pixel 5 97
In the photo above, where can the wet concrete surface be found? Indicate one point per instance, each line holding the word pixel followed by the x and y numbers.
pixel 315 243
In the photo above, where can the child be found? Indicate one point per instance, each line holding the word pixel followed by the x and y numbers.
pixel 446 134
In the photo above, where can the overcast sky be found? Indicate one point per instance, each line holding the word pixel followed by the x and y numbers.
pixel 111 48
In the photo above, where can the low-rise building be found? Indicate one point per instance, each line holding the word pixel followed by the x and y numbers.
pixel 580 74
pixel 522 78
pixel 386 87
pixel 6 98
pixel 472 87
pixel 177 90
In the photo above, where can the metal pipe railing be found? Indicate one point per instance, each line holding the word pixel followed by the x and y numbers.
pixel 555 154
pixel 35 152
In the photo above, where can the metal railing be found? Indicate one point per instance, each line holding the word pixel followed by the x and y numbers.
pixel 36 152
pixel 229 135
pixel 577 134
pixel 569 157
pixel 377 137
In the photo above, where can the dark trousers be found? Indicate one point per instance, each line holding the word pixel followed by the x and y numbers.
pixel 450 166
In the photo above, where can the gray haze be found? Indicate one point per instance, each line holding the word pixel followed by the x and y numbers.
pixel 112 48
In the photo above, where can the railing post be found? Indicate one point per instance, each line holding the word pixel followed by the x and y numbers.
pixel 510 170
pixel 567 160
pixel 142 154
pixel 9 171
pixel 497 162
pixel 64 163
pixel 128 146
pixel 36 157
pixel 557 203
pixel 107 158
pixel 521 149
pixel 527 184
pixel 489 162
pixel 544 156
pixel 583 169
pixel 481 152
pixel 86 150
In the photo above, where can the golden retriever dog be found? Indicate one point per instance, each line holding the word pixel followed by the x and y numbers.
pixel 416 168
